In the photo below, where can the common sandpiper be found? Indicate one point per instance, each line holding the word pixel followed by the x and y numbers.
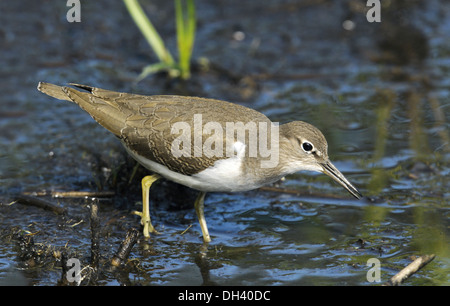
pixel 205 144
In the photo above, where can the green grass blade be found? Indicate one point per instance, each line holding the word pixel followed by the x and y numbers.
pixel 157 67
pixel 149 32
pixel 186 25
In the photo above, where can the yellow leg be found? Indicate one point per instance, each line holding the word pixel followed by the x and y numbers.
pixel 201 216
pixel 145 214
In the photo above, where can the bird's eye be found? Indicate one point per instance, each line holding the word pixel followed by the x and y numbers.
pixel 307 147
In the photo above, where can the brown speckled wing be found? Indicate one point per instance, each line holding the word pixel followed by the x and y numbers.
pixel 144 123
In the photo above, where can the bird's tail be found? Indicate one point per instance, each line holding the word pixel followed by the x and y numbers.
pixel 54 91
pixel 95 101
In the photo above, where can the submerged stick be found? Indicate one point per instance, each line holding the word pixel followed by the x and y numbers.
pixel 95 235
pixel 32 201
pixel 409 270
pixel 63 281
pixel 125 247
pixel 73 194
pixel 82 194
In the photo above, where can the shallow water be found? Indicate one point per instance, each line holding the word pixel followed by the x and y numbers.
pixel 383 108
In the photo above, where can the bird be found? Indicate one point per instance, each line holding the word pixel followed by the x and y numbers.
pixel 206 144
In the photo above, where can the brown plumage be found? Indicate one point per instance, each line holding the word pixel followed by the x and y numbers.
pixel 144 123
pixel 150 126
pixel 145 126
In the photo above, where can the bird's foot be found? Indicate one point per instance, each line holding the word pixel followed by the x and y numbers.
pixel 147 223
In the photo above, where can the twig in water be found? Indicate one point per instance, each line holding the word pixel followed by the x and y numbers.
pixel 32 201
pixel 73 194
pixel 409 270
pixel 182 233
pixel 64 281
pixel 95 235
pixel 82 194
pixel 125 247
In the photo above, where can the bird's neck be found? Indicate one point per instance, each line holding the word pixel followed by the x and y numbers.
pixel 272 165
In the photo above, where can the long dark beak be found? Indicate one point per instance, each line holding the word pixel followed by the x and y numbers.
pixel 330 170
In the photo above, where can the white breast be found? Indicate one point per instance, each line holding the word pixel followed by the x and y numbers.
pixel 225 176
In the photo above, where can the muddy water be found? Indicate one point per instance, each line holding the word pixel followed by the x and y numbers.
pixel 379 92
